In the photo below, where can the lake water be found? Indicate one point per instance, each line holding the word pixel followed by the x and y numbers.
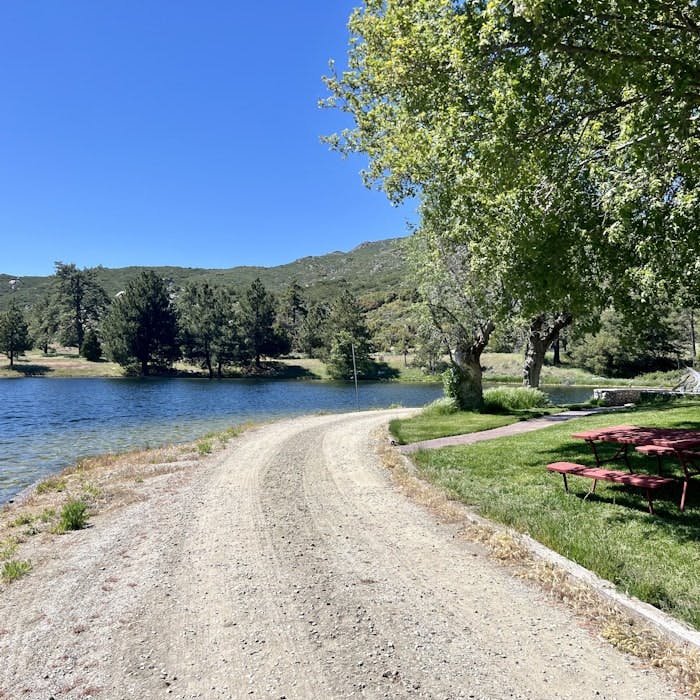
pixel 47 424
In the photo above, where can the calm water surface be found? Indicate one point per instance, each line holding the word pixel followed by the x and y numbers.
pixel 46 424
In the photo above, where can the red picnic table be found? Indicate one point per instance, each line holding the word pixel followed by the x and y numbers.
pixel 660 442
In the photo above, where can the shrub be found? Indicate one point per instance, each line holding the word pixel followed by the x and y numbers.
pixel 51 484
pixel 513 398
pixel 91 349
pixel 73 516
pixel 441 407
pixel 14 569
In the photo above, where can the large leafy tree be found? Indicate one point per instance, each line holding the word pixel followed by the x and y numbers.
pixel 80 301
pixel 14 333
pixel 140 328
pixel 561 143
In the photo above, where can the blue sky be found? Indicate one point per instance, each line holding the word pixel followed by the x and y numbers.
pixel 146 132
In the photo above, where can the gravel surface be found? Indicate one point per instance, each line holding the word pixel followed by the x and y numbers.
pixel 289 566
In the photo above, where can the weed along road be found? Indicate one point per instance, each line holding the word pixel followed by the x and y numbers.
pixel 289 565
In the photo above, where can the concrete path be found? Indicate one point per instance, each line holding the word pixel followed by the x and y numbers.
pixel 512 429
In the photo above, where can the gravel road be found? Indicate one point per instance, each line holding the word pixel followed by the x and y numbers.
pixel 289 566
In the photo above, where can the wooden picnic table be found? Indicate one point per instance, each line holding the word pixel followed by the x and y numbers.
pixel 660 442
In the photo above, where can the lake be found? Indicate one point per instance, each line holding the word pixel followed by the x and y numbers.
pixel 47 424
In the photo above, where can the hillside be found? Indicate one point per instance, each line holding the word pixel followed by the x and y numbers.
pixel 371 269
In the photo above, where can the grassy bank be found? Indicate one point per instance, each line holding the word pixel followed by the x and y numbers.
pixel 499 368
pixel 655 558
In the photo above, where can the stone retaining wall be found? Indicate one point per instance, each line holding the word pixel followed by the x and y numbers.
pixel 620 397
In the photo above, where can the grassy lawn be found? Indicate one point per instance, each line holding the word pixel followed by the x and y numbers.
pixel 66 363
pixel 427 427
pixel 656 558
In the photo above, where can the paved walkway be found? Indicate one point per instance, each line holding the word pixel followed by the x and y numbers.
pixel 512 429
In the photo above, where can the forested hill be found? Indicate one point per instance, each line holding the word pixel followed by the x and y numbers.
pixel 370 270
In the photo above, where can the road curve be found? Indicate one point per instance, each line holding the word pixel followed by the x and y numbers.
pixel 288 566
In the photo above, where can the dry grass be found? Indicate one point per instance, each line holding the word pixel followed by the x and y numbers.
pixel 625 632
pixel 103 484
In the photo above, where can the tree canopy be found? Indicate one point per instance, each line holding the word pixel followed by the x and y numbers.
pixel 14 333
pixel 556 141
pixel 140 327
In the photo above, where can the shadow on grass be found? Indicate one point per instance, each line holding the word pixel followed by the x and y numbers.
pixel 281 370
pixel 684 526
pixel 31 370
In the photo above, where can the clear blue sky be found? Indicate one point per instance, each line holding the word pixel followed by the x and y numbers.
pixel 170 132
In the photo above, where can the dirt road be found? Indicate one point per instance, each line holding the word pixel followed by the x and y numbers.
pixel 288 566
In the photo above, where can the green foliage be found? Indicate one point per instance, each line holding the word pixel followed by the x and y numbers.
pixel 292 309
pixel 441 407
pixel 44 322
pixel 14 333
pixel 14 569
pixel 140 328
pixel 347 336
pixel 73 516
pixel 260 333
pixel 51 484
pixel 91 349
pixel 623 348
pixel 208 325
pixel 79 300
pixel 500 399
pixel 311 334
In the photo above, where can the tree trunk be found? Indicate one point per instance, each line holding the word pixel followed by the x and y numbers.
pixel 692 338
pixel 144 368
pixel 467 386
pixel 12 359
pixel 540 338
pixel 556 360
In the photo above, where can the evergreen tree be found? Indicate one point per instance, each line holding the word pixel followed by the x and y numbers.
pixel 92 349
pixel 140 327
pixel 206 319
pixel 260 335
pixel 311 334
pixel 14 333
pixel 45 321
pixel 80 301
pixel 347 332
pixel 292 311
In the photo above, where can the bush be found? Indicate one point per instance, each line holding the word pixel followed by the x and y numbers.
pixel 441 407
pixel 91 349
pixel 73 516
pixel 14 569
pixel 513 398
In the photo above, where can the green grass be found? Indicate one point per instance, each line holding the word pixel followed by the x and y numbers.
pixel 14 569
pixel 73 516
pixel 429 426
pixel 656 558
pixel 503 399
pixel 51 484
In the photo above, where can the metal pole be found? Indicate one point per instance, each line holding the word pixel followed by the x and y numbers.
pixel 354 371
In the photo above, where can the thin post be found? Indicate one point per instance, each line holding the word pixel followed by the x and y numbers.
pixel 354 371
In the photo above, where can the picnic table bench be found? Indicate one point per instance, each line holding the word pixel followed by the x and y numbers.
pixel 648 482
pixel 660 442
